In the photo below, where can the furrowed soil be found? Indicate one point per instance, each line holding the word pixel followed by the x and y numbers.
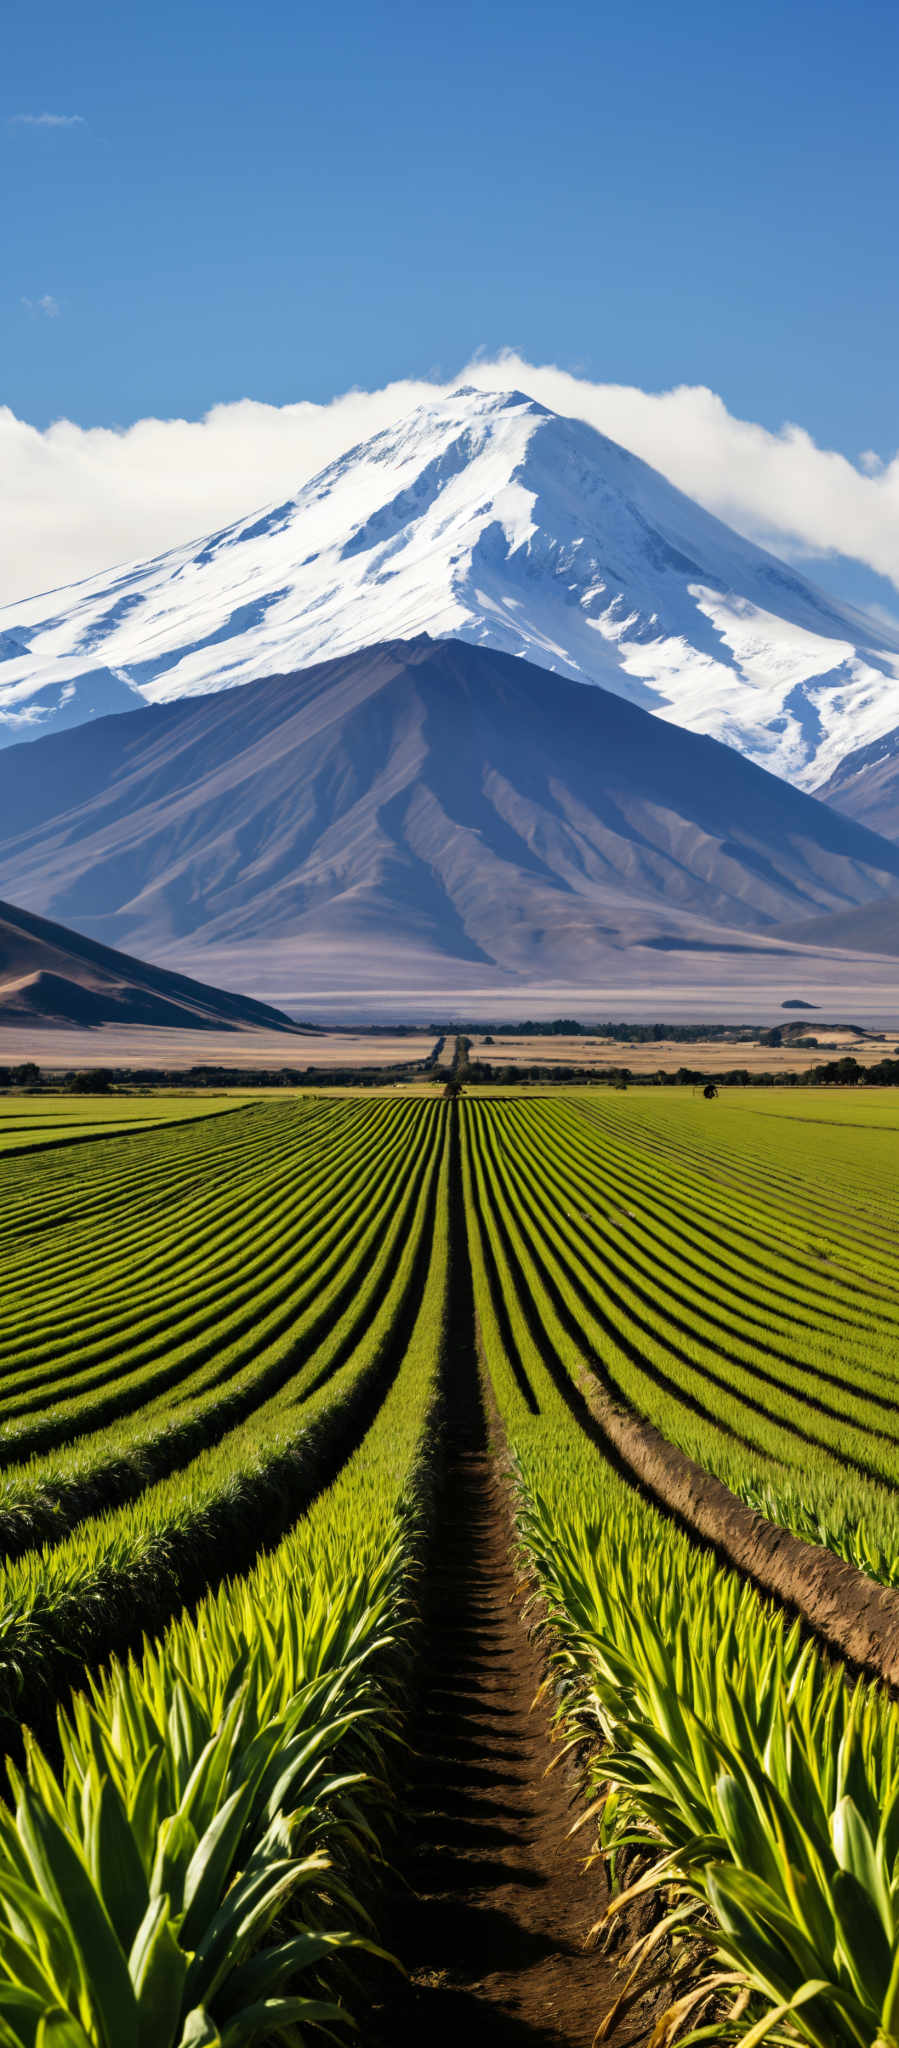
pixel 496 1906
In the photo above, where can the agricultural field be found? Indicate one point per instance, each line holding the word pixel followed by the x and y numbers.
pixel 28 1122
pixel 667 1056
pixel 363 1455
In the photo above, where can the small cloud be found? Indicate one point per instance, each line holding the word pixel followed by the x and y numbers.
pixel 870 462
pixel 46 305
pixel 884 615
pixel 47 121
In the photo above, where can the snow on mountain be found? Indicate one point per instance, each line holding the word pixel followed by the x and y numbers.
pixel 865 785
pixel 485 517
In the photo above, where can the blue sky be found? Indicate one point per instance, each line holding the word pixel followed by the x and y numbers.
pixel 283 201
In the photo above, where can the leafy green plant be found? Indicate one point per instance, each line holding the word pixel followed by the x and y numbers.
pixel 197 1867
pixel 740 1779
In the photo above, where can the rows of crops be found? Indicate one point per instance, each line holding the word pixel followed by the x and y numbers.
pixel 738 1289
pixel 192 1867
pixel 29 1123
pixel 745 1781
pixel 195 1331
pixel 222 1365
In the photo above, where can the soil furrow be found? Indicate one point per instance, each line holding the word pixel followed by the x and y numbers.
pixel 491 1922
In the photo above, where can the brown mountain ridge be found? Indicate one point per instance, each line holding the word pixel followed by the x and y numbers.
pixel 419 810
pixel 50 975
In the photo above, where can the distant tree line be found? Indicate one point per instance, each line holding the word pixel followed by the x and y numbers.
pixel 844 1072
pixel 99 1080
pixel 652 1034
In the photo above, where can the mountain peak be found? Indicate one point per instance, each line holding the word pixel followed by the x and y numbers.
pixel 482 516
pixel 485 401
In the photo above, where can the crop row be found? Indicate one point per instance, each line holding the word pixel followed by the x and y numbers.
pixel 145 1235
pixel 127 1567
pixel 739 1776
pixel 195 1872
pixel 239 1771
pixel 819 1176
pixel 264 1241
pixel 56 1203
pixel 332 1211
pixel 41 1124
pixel 614 1262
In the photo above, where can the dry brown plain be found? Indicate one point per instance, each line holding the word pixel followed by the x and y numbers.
pixel 116 1046
pixel 58 1050
pixel 667 1055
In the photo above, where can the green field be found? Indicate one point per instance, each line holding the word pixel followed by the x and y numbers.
pixel 231 1409
pixel 727 1269
pixel 30 1121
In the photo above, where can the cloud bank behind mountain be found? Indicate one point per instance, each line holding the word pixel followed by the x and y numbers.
pixel 75 500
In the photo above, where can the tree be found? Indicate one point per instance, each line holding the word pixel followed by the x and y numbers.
pixel 27 1076
pixel 709 1091
pixel 460 1070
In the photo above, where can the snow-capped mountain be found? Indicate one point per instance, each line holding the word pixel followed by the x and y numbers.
pixel 488 518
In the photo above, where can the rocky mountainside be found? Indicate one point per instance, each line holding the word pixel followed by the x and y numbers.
pixel 422 811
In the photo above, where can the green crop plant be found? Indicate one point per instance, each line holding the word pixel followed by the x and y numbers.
pixel 292 1260
pixel 768 1394
pixel 147 1348
pixel 840 1525
pixel 133 1564
pixel 739 1776
pixel 200 1861
pixel 209 1319
pixel 753 1777
pixel 38 1123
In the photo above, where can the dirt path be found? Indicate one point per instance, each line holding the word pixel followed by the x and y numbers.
pixel 492 1926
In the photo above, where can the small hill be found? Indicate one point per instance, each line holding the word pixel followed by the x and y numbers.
pixel 50 975
pixel 870 928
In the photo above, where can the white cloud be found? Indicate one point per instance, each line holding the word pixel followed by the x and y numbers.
pixel 47 121
pixel 46 305
pixel 74 500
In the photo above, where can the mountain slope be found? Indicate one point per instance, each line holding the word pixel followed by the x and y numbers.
pixel 486 517
pixel 49 975
pixel 865 785
pixel 424 808
pixel 874 928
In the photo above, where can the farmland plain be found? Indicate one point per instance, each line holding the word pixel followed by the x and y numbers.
pixel 110 1045
pixel 668 1055
pixel 334 1427
pixel 320 1052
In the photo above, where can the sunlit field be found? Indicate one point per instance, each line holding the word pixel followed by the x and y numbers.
pixel 246 1343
